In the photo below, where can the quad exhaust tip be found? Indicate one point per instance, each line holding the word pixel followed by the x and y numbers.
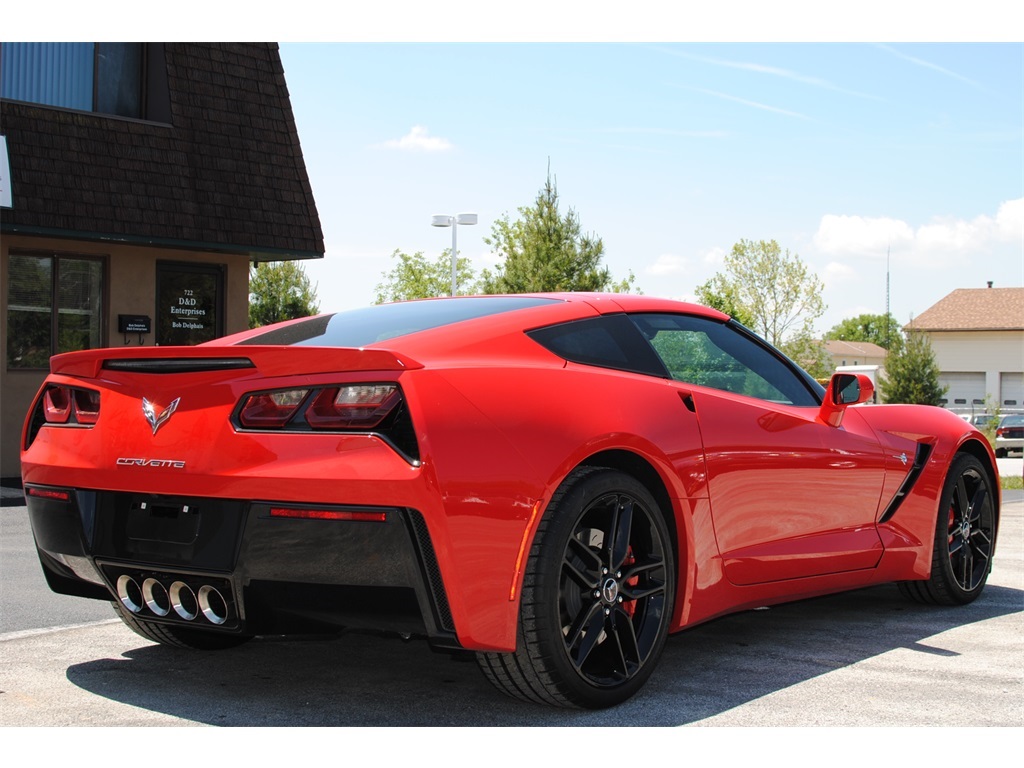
pixel 154 597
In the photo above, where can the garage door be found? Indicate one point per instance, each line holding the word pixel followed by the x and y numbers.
pixel 964 390
pixel 1011 389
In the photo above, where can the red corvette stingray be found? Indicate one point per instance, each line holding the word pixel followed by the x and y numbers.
pixel 555 482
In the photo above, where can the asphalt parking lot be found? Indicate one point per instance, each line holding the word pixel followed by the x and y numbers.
pixel 867 658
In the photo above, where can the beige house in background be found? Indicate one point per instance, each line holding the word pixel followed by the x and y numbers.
pixel 846 353
pixel 977 335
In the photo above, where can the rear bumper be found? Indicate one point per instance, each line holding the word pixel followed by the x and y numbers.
pixel 1009 443
pixel 160 555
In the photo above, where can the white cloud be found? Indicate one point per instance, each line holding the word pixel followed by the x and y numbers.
pixel 857 234
pixel 418 140
pixel 1010 220
pixel 668 264
pixel 836 272
pixel 715 256
pixel 845 235
pixel 954 234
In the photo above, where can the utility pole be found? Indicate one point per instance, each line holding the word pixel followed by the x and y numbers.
pixel 887 323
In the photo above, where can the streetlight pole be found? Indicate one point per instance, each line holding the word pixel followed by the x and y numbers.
pixel 443 220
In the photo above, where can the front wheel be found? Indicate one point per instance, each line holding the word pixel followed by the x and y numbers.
pixel 597 596
pixel 965 537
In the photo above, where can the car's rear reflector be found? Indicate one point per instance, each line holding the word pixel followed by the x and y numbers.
pixel 368 516
pixel 46 493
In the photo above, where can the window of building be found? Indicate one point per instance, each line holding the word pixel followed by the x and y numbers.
pixel 54 305
pixel 189 303
pixel 94 77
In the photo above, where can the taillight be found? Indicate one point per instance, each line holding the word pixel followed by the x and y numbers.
pixel 269 410
pixel 61 405
pixel 376 406
pixel 64 405
pixel 57 405
pixel 356 406
pixel 87 406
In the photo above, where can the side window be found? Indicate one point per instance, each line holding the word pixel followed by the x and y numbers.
pixel 712 354
pixel 608 341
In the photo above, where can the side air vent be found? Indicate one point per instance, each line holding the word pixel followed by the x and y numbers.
pixel 920 459
pixel 178 365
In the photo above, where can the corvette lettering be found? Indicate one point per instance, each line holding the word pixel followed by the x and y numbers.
pixel 163 463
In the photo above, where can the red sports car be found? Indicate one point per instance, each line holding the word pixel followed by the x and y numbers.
pixel 554 482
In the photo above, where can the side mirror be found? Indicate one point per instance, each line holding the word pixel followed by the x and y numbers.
pixel 844 389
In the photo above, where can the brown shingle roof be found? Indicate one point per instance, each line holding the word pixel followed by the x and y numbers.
pixel 974 309
pixel 226 173
pixel 861 348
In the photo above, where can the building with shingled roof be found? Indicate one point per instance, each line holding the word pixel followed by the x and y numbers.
pixel 846 353
pixel 977 335
pixel 138 182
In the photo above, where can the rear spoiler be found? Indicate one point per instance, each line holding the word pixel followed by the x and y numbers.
pixel 268 360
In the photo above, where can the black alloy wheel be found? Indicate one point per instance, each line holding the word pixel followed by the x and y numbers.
pixel 965 537
pixel 970 530
pixel 598 596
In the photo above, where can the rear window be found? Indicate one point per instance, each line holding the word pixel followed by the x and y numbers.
pixel 369 325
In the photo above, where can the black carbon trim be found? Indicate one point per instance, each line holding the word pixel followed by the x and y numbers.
pixel 924 450
pixel 432 570
pixel 179 364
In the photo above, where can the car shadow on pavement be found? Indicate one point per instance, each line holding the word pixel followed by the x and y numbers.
pixel 367 680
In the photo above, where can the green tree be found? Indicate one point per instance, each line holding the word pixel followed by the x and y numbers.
pixel 810 354
pixel 413 277
pixel 911 374
pixel 546 251
pixel 727 302
pixel 774 294
pixel 776 291
pixel 883 330
pixel 280 291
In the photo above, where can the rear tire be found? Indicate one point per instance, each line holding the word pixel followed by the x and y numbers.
pixel 179 637
pixel 597 596
pixel 965 537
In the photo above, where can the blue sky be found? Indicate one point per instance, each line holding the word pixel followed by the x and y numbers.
pixel 673 152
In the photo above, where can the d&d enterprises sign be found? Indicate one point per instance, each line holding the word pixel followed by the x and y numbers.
pixel 189 301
